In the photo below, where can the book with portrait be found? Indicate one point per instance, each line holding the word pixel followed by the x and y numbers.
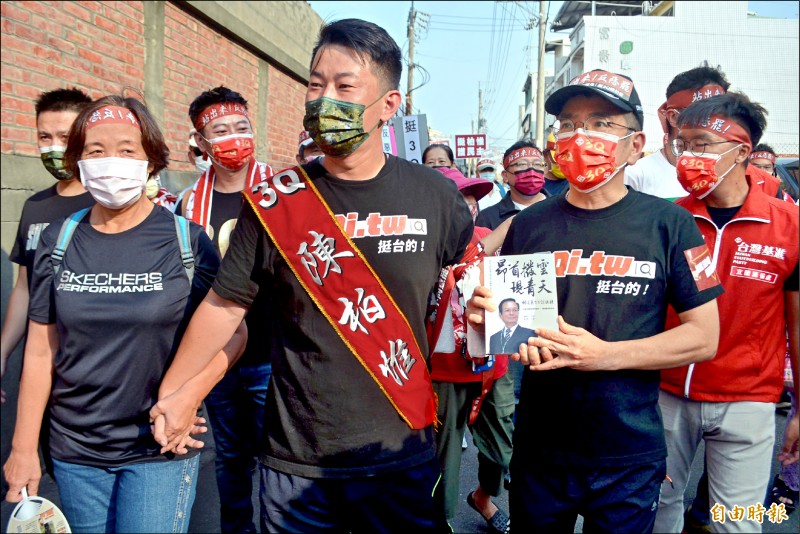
pixel 524 291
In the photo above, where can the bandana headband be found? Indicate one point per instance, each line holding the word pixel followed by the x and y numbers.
pixel 725 128
pixel 216 111
pixel 112 115
pixel 763 155
pixel 525 152
pixel 682 100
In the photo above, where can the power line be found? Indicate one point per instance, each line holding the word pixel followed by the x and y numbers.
pixel 471 31
pixel 495 65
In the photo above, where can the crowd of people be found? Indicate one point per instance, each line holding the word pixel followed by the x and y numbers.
pixel 318 319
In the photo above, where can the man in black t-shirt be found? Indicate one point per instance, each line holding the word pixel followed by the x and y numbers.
pixel 55 112
pixel 337 454
pixel 224 135
pixel 589 438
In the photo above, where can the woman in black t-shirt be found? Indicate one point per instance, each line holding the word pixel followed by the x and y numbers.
pixel 105 321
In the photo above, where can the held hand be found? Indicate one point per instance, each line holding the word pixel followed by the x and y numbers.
pixel 789 453
pixel 179 418
pixel 570 346
pixel 531 355
pixel 21 470
pixel 477 306
pixel 179 444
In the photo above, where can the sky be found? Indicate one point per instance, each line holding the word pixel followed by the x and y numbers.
pixel 472 45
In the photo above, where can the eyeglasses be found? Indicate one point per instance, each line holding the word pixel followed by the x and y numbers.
pixel 679 146
pixel 596 124
pixel 769 167
pixel 521 165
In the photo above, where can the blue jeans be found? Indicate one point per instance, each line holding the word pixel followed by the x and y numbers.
pixel 236 412
pixel 143 497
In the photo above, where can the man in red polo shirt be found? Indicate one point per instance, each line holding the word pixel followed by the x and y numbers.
pixel 729 401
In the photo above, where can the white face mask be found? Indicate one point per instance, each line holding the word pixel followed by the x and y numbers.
pixel 202 164
pixel 114 182
pixel 488 175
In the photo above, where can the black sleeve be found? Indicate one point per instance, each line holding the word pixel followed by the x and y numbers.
pixel 41 307
pixel 18 250
pixel 206 265
pixel 507 247
pixel 243 262
pixel 460 233
pixel 793 282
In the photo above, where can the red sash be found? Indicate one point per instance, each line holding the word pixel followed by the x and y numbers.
pixel 346 290
pixel 197 207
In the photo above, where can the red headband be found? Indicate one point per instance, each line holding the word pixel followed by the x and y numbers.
pixel 725 128
pixel 682 100
pixel 763 155
pixel 525 152
pixel 215 111
pixel 112 115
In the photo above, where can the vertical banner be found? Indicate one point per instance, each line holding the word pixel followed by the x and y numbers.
pixel 389 141
pixel 411 134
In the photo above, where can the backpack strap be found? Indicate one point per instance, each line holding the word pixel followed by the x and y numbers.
pixel 185 242
pixel 64 237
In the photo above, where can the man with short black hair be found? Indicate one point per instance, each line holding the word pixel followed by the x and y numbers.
pixel 348 248
pixel 523 171
pixel 621 257
pixel 655 174
pixel 55 112
pixel 223 134
pixel 512 334
pixel 763 157
pixel 729 402
pixel 761 170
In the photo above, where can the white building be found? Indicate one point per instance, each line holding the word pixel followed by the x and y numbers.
pixel 759 56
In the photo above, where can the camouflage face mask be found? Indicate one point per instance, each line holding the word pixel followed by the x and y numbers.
pixel 337 126
pixel 53 159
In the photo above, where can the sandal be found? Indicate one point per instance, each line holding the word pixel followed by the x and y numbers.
pixel 499 523
pixel 783 494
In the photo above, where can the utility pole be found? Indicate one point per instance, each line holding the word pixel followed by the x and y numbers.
pixel 412 15
pixel 540 79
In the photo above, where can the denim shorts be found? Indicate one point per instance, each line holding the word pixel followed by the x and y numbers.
pixel 142 497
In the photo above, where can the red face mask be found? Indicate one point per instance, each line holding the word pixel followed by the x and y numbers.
pixel 587 158
pixel 529 182
pixel 232 151
pixel 698 174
